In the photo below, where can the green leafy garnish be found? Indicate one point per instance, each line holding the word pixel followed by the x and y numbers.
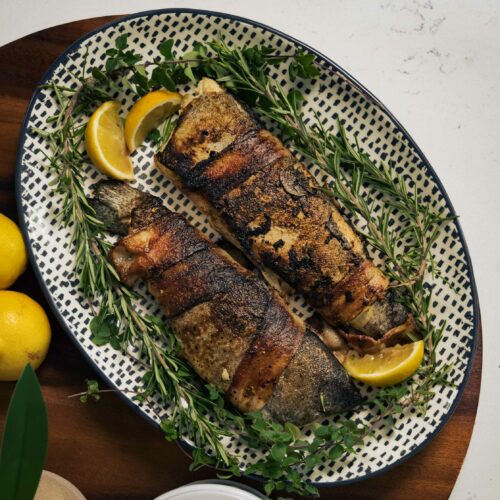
pixel 91 392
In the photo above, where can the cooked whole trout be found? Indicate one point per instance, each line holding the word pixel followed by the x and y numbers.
pixel 261 199
pixel 235 331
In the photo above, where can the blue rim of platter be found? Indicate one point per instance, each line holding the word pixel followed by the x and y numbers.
pixel 359 87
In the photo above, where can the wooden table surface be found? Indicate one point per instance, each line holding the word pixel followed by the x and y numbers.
pixel 105 448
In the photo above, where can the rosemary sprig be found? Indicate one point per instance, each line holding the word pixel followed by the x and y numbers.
pixel 405 247
pixel 116 320
pixel 198 411
pixel 160 136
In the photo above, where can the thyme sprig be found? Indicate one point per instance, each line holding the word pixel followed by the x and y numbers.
pixel 198 411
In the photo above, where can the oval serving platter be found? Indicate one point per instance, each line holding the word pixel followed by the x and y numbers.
pixel 334 94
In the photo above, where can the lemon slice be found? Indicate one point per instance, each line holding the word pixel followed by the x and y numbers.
pixel 147 113
pixel 387 367
pixel 105 142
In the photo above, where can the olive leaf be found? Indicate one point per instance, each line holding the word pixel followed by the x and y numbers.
pixel 24 443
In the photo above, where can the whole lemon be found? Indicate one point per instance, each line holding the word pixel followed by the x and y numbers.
pixel 13 257
pixel 24 334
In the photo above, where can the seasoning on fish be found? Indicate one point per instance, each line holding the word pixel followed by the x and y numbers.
pixel 235 331
pixel 260 198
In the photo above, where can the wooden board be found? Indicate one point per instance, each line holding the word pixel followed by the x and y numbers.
pixel 105 448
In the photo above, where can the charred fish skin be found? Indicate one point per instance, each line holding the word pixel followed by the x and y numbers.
pixel 234 331
pixel 269 205
pixel 195 144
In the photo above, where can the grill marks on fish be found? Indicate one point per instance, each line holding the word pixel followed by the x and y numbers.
pixel 246 156
pixel 207 275
pixel 295 244
pixel 257 373
pixel 149 252
pixel 211 343
pixel 261 199
pixel 233 330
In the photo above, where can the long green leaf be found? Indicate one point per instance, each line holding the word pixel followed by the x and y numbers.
pixel 24 443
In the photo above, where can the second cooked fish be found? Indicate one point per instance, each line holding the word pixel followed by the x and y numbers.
pixel 236 332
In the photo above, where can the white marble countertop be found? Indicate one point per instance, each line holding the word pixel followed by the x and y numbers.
pixel 436 65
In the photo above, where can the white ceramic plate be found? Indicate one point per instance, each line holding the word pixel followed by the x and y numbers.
pixel 212 490
pixel 335 94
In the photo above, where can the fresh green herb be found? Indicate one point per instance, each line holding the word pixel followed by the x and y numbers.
pixel 161 135
pixel 92 392
pixel 24 442
pixel 303 66
pixel 197 410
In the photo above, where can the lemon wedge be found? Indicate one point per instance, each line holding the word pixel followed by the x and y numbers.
pixel 147 113
pixel 105 142
pixel 387 367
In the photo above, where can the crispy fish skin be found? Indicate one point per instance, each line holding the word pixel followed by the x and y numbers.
pixel 234 331
pixel 190 149
pixel 270 206
pixel 296 392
